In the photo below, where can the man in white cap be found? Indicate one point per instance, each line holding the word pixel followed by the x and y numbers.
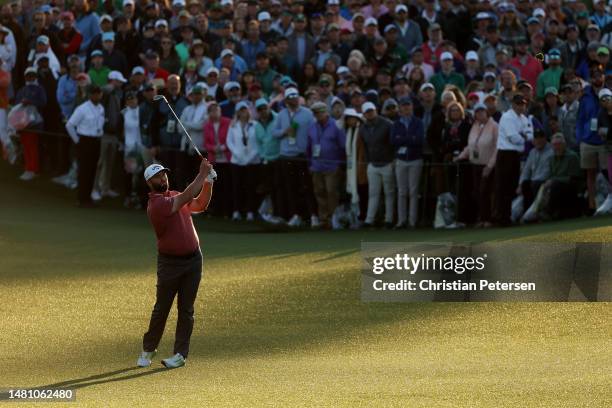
pixel 409 31
pixel 292 124
pixel 109 143
pixel 179 259
pixel 447 75
pixel 380 153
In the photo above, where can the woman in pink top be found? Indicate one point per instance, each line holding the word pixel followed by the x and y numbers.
pixel 481 151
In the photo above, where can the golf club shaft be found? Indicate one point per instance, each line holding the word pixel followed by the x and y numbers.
pixel 183 127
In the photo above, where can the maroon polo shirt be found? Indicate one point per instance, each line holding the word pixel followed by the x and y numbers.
pixel 175 233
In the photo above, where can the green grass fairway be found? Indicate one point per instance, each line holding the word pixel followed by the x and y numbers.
pixel 279 321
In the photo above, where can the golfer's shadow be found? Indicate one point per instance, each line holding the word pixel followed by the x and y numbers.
pixel 103 378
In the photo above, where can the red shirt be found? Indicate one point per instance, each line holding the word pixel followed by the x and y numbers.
pixel 175 233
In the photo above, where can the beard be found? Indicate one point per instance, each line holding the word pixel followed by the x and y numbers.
pixel 160 188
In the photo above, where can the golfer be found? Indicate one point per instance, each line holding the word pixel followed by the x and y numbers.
pixel 179 259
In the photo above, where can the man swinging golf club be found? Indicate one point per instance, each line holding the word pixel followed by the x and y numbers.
pixel 179 260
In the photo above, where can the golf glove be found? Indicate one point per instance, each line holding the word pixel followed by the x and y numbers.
pixel 212 176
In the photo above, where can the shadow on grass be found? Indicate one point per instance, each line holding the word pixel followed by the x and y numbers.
pixel 107 377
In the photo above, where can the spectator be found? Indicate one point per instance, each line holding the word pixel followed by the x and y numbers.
pixel 70 39
pixel 170 133
pixel 134 160
pixel 215 142
pixel 564 181
pixel 536 169
pixel 193 118
pixel 32 94
pixel 568 115
pixel 409 31
pixel 379 151
pixel 447 75
pixel 85 127
pixel 98 72
pixel 551 111
pixel 109 143
pixel 528 66
pixel 604 130
pixel 291 128
pixel 169 59
pixel 326 153
pixel 242 144
pixel 481 151
pixel 43 49
pixel 514 130
pixel 551 76
pixel 408 137
pixel 433 48
pixel 87 23
pixel 592 150
pixel 356 169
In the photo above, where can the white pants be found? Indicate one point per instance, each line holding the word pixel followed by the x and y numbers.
pixel 380 178
pixel 408 176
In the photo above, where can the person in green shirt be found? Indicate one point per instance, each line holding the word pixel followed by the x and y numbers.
pixel 98 72
pixel 182 48
pixel 447 75
pixel 551 76
pixel 566 180
pixel 264 74
pixel 268 147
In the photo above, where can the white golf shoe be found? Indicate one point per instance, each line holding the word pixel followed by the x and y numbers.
pixel 315 222
pixel 295 221
pixel 145 358
pixel 175 361
pixel 605 207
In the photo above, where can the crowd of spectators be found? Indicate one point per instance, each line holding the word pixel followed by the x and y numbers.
pixel 306 107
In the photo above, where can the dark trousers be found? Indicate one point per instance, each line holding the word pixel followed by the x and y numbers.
pixel 507 173
pixel 530 188
pixel 174 276
pixel 482 192
pixel 272 183
pixel 221 201
pixel 88 152
pixel 297 194
pixel 244 187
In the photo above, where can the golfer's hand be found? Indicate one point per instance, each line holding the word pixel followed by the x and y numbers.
pixel 205 167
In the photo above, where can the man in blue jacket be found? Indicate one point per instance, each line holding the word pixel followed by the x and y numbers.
pixel 407 136
pixel 592 150
pixel 326 152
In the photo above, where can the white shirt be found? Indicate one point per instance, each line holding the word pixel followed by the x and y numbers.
pixel 131 128
pixel 514 130
pixel 242 153
pixel 54 64
pixel 193 118
pixel 87 120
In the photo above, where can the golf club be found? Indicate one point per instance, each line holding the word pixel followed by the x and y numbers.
pixel 213 174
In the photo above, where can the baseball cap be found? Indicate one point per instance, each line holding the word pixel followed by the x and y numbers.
pixel 128 2
pixel 212 70
pixel 471 56
pixel 96 53
pixel 482 16
pixel 519 99
pixel 389 103
pixel 406 100
pixel 603 50
pixel 371 21
pixel 117 76
pixel 138 70
pixel 433 27
pixel 264 16
pixel 106 17
pixel 367 106
pixel 554 54
pixel 446 56
pixel 67 15
pixel 226 2
pixel 479 106
pixel 342 70
pixel 161 23
pixel 593 27
pixel 489 74
pixel 43 39
pixel 605 93
pixel 390 27
pixel 291 93
pixel 523 84
pixel 551 90
pixel 539 13
pixel 352 113
pixel 401 7
pixel 242 105
pixel 30 70
pixel 152 170
pixel 319 107
pixel 426 85
pixel 533 20
pixel 108 36
pixel 227 52
pixel 151 55
pixel 261 102
pixel 231 85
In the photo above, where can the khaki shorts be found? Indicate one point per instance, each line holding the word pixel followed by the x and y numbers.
pixel 593 156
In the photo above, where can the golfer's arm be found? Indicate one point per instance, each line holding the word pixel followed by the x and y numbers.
pixel 200 203
pixel 190 192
